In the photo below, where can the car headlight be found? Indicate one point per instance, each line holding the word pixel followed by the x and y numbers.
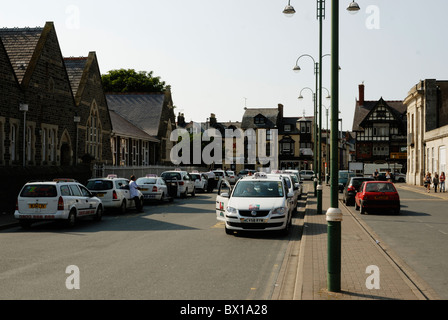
pixel 280 211
pixel 232 210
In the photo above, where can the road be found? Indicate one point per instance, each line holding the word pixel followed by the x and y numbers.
pixel 174 251
pixel 419 235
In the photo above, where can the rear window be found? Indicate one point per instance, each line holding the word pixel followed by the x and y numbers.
pixel 39 191
pixel 195 176
pixel 99 185
pixel 171 176
pixel 146 181
pixel 380 187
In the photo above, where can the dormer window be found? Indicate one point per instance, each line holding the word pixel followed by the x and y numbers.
pixel 287 128
pixel 259 119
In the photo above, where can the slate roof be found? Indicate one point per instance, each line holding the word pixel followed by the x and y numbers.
pixel 123 127
pixel 20 44
pixel 75 69
pixel 271 115
pixel 398 108
pixel 142 110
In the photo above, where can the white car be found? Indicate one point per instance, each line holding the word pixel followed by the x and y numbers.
pixel 232 176
pixel 153 188
pixel 200 181
pixel 65 200
pixel 113 192
pixel 183 180
pixel 307 174
pixel 292 185
pixel 256 203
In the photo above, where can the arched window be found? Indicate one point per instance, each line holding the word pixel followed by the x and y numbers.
pixel 94 135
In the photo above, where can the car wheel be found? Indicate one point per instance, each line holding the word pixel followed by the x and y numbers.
pixel 71 220
pixel 99 214
pixel 362 209
pixel 356 206
pixel 194 192
pixel 123 207
pixel 397 210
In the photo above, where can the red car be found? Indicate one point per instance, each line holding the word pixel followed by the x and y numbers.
pixel 380 195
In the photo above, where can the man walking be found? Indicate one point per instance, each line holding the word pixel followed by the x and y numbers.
pixel 133 189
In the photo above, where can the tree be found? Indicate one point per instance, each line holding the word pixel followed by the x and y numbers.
pixel 128 80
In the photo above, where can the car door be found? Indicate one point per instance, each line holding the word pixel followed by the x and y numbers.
pixel 89 204
pixel 222 199
pixel 162 185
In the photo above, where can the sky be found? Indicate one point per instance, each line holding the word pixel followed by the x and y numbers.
pixel 222 56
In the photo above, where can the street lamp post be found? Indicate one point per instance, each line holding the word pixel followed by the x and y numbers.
pixel 316 73
pixel 334 214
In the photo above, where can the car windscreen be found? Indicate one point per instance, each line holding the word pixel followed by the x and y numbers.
pixel 99 185
pixel 258 189
pixel 218 173
pixel 171 176
pixel 39 191
pixel 195 176
pixel 146 181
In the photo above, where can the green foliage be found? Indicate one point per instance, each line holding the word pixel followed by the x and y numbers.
pixel 128 80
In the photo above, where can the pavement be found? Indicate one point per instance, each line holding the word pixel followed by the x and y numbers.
pixel 303 275
pixel 363 257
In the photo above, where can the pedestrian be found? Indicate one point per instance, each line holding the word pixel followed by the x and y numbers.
pixel 435 181
pixel 442 182
pixel 376 174
pixel 388 176
pixel 427 182
pixel 133 190
pixel 211 181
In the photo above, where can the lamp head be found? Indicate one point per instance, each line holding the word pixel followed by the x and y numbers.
pixel 353 7
pixel 296 69
pixel 289 11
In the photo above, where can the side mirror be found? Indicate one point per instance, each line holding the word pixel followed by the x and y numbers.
pixel 225 195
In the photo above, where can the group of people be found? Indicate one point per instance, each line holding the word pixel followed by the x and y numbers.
pixel 435 181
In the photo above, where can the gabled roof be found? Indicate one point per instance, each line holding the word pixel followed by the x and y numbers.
pixel 361 112
pixel 271 115
pixel 142 110
pixel 75 69
pixel 123 127
pixel 20 44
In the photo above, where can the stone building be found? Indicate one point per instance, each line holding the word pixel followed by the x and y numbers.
pixel 427 115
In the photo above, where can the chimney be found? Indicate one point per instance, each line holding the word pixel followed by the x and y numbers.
pixel 361 94
pixel 213 121
pixel 280 111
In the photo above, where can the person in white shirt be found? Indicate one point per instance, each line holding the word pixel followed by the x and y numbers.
pixel 133 189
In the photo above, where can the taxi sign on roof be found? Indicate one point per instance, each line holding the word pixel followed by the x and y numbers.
pixel 151 175
pixel 111 176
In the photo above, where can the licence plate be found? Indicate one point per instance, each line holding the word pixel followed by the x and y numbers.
pixel 37 206
pixel 99 195
pixel 381 198
pixel 253 220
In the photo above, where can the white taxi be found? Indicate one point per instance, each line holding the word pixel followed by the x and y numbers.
pixel 153 188
pixel 114 192
pixel 61 199
pixel 256 203
pixel 182 179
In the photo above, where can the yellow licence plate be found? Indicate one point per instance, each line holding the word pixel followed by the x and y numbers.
pixel 37 206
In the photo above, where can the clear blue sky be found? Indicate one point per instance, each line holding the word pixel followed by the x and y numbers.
pixel 220 56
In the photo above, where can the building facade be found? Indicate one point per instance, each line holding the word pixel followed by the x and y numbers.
pixel 427 116
pixel 380 129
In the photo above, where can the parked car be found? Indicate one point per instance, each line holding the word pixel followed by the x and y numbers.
pixel 154 188
pixel 307 174
pixel 113 192
pixel 59 200
pixel 185 185
pixel 255 203
pixel 246 172
pixel 377 195
pixel 352 187
pixel 200 181
pixel 231 176
pixel 296 172
pixel 343 178
pixel 292 187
